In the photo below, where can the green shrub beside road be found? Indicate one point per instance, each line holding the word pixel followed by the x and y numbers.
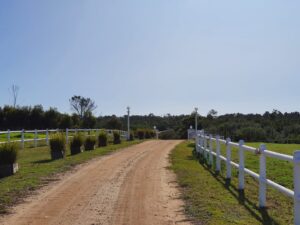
pixel 89 143
pixel 76 144
pixel 102 139
pixel 8 154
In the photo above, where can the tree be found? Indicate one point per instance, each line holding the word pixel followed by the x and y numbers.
pixel 82 106
pixel 113 123
pixel 15 92
pixel 88 121
pixel 51 118
pixel 212 114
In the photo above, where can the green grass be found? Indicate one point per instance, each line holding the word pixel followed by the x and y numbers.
pixel 17 136
pixel 211 199
pixel 277 170
pixel 37 168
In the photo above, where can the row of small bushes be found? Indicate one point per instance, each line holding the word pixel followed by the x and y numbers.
pixel 9 151
pixel 79 143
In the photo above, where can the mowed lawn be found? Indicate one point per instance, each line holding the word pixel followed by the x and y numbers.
pixel 18 136
pixel 211 200
pixel 37 168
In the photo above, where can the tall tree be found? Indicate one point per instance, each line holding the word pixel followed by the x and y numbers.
pixel 82 106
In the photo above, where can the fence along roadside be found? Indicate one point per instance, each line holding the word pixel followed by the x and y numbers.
pixel 204 147
pixel 47 133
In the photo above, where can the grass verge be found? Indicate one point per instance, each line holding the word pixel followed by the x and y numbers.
pixel 37 169
pixel 211 199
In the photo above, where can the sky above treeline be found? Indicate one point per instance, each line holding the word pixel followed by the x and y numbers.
pixel 156 56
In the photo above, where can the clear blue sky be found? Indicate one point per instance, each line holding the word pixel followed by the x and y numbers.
pixel 156 56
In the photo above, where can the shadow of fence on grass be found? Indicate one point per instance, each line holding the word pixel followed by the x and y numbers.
pixel 260 214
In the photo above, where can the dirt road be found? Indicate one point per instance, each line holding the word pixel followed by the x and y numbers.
pixel 132 187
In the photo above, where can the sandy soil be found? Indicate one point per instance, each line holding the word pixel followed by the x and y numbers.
pixel 131 187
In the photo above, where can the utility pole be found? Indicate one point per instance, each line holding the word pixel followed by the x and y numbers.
pixel 128 123
pixel 196 120
pixel 156 132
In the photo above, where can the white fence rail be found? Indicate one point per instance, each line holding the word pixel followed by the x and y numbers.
pixel 47 134
pixel 204 147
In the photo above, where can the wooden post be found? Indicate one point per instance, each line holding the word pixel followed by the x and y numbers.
pixel 241 166
pixel 35 138
pixel 210 150
pixel 262 176
pixel 47 137
pixel 201 143
pixel 8 135
pixel 197 143
pixel 218 160
pixel 228 159
pixel 67 136
pixel 22 139
pixel 297 187
pixel 205 147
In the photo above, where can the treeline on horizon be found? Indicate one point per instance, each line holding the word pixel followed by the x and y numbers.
pixel 272 126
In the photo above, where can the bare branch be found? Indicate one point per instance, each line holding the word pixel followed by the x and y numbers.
pixel 82 106
pixel 15 92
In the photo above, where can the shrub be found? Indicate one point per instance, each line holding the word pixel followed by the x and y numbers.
pixel 102 139
pixel 90 143
pixel 57 145
pixel 131 136
pixel 141 134
pixel 76 143
pixel 117 139
pixel 8 154
pixel 147 134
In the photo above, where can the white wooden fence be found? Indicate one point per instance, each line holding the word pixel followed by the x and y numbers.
pixel 47 133
pixel 205 145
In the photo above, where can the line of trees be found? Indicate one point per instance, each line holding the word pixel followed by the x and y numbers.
pixel 272 126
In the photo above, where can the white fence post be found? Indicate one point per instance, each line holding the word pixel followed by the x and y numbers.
pixel 47 137
pixel 228 159
pixel 218 160
pixel 67 136
pixel 262 176
pixel 297 187
pixel 241 166
pixel 197 143
pixel 201 143
pixel 210 150
pixel 35 138
pixel 8 135
pixel 205 147
pixel 22 139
